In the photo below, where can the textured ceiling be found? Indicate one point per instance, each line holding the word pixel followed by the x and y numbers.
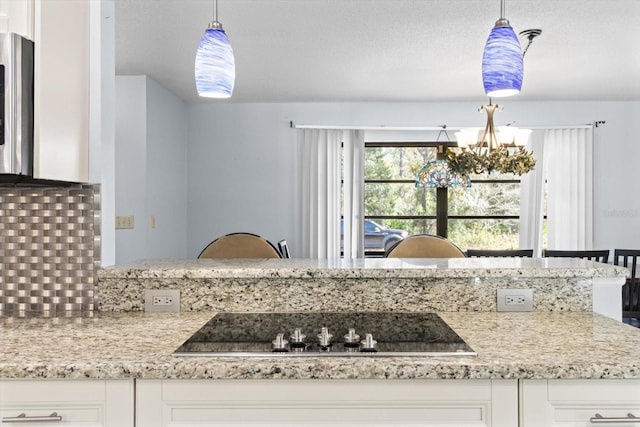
pixel 384 50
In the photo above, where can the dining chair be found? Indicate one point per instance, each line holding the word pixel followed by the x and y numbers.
pixel 284 249
pixel 631 289
pixel 424 246
pixel 499 253
pixel 598 255
pixel 240 245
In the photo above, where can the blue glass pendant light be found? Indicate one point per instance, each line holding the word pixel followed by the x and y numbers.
pixel 215 66
pixel 502 61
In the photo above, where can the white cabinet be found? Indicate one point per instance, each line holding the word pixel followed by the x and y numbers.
pixel 326 403
pixel 61 134
pixel 84 403
pixel 271 403
pixel 17 17
pixel 564 403
pixel 61 33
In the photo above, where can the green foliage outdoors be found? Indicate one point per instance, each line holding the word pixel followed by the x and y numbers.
pixel 482 199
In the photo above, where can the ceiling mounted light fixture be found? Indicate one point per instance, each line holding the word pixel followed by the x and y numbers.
pixel 215 67
pixel 502 61
pixel 500 149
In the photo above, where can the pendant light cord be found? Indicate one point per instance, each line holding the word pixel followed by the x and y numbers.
pixel 215 10
pixel 501 9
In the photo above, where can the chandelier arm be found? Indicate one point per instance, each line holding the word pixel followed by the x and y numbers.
pixel 486 130
pixel 492 132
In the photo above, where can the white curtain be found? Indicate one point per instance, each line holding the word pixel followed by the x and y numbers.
pixel 532 197
pixel 319 191
pixel 569 165
pixel 564 158
pixel 353 203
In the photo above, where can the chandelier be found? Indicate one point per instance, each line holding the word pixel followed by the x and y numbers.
pixel 501 150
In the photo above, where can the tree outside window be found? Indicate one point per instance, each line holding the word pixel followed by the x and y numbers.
pixel 484 216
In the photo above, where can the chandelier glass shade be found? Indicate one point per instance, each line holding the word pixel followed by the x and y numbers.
pixel 436 174
pixel 484 151
pixel 502 60
pixel 215 69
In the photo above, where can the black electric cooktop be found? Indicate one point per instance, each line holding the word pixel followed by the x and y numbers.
pixel 325 334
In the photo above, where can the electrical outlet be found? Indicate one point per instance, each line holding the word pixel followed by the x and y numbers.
pixel 161 300
pixel 515 300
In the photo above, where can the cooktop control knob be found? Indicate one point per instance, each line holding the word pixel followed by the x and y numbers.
pixel 351 340
pixel 368 345
pixel 325 339
pixel 297 340
pixel 280 344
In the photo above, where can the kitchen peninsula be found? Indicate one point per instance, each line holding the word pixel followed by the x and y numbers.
pixel 386 284
pixel 527 360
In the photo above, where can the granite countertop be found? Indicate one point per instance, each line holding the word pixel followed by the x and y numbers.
pixel 139 345
pixel 363 268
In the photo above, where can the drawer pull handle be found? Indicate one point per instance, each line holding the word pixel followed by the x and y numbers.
pixel 630 418
pixel 22 418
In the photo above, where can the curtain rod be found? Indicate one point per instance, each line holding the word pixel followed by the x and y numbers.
pixel 434 128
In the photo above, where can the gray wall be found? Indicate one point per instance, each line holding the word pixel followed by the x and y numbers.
pixel 241 162
pixel 151 170
pixel 247 152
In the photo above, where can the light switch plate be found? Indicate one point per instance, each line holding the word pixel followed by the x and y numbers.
pixel 124 222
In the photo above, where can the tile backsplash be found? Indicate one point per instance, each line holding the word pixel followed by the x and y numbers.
pixel 49 248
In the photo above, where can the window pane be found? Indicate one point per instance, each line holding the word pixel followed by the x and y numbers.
pixel 485 233
pixel 485 199
pixel 384 202
pixel 396 162
pixel 398 199
pixel 411 226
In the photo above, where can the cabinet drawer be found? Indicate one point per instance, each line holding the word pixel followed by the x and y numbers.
pixel 30 391
pixel 78 402
pixel 77 414
pixel 326 402
pixel 574 402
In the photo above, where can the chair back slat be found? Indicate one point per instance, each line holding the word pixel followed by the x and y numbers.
pixel 499 253
pixel 627 258
pixel 284 249
pixel 631 299
pixel 598 255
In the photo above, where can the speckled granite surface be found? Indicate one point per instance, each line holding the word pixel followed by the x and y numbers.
pixel 379 268
pixel 139 345
pixel 559 284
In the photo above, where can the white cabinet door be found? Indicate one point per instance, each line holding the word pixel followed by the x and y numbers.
pixel 62 70
pixel 270 403
pixel 17 17
pixel 87 403
pixel 564 403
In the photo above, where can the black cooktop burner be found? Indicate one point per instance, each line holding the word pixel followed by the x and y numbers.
pixel 325 334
